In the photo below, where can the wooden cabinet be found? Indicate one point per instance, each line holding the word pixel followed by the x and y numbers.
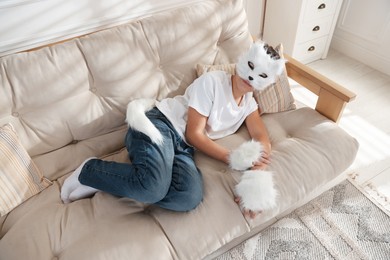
pixel 304 27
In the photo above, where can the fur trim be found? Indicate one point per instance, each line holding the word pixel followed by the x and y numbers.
pixel 137 120
pixel 256 190
pixel 243 157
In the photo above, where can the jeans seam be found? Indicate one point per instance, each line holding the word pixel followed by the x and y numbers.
pixel 105 172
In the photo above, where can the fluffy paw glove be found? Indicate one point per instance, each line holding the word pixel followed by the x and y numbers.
pixel 256 190
pixel 243 157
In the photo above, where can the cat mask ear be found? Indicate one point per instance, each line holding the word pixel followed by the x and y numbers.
pixel 260 65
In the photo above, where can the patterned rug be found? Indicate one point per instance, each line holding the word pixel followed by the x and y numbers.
pixel 339 224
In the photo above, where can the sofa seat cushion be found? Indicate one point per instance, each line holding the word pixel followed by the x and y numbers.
pixel 308 151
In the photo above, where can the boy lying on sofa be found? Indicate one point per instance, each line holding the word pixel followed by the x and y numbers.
pixel 162 136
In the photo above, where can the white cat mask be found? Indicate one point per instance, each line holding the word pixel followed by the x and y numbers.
pixel 260 65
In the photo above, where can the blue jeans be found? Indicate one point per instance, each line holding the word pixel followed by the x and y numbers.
pixel 164 175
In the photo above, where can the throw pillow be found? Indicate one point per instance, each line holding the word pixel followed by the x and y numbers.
pixel 275 98
pixel 203 68
pixel 20 178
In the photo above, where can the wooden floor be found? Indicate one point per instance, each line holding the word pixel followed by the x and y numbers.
pixel 367 118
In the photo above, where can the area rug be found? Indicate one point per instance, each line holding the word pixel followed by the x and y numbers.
pixel 339 224
pixel 373 180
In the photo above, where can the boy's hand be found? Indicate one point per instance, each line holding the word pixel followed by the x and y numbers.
pixel 247 213
pixel 262 163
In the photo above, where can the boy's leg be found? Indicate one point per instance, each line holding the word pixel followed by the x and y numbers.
pixel 186 190
pixel 146 179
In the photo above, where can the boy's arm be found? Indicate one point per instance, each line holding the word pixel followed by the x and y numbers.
pixel 195 135
pixel 258 132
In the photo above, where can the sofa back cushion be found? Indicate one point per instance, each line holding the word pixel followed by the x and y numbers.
pixel 68 101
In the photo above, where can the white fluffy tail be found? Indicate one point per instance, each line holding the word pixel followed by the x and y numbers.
pixel 137 120
pixel 256 190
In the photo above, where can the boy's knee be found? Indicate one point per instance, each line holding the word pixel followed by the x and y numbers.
pixel 155 190
pixel 147 185
pixel 194 201
pixel 191 199
pixel 194 192
pixel 183 200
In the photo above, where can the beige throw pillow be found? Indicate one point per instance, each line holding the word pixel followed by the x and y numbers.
pixel 275 98
pixel 20 178
pixel 203 68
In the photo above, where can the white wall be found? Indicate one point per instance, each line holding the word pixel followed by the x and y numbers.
pixel 363 32
pixel 25 24
pixel 255 13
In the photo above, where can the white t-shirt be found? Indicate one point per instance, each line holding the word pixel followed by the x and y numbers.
pixel 211 95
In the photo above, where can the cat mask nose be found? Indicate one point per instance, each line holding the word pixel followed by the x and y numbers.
pixel 250 78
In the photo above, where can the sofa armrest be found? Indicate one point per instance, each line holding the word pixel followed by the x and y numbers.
pixel 332 97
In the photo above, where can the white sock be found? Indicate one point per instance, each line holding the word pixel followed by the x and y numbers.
pixel 81 192
pixel 72 189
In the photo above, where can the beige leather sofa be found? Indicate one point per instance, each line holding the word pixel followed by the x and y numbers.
pixel 67 102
